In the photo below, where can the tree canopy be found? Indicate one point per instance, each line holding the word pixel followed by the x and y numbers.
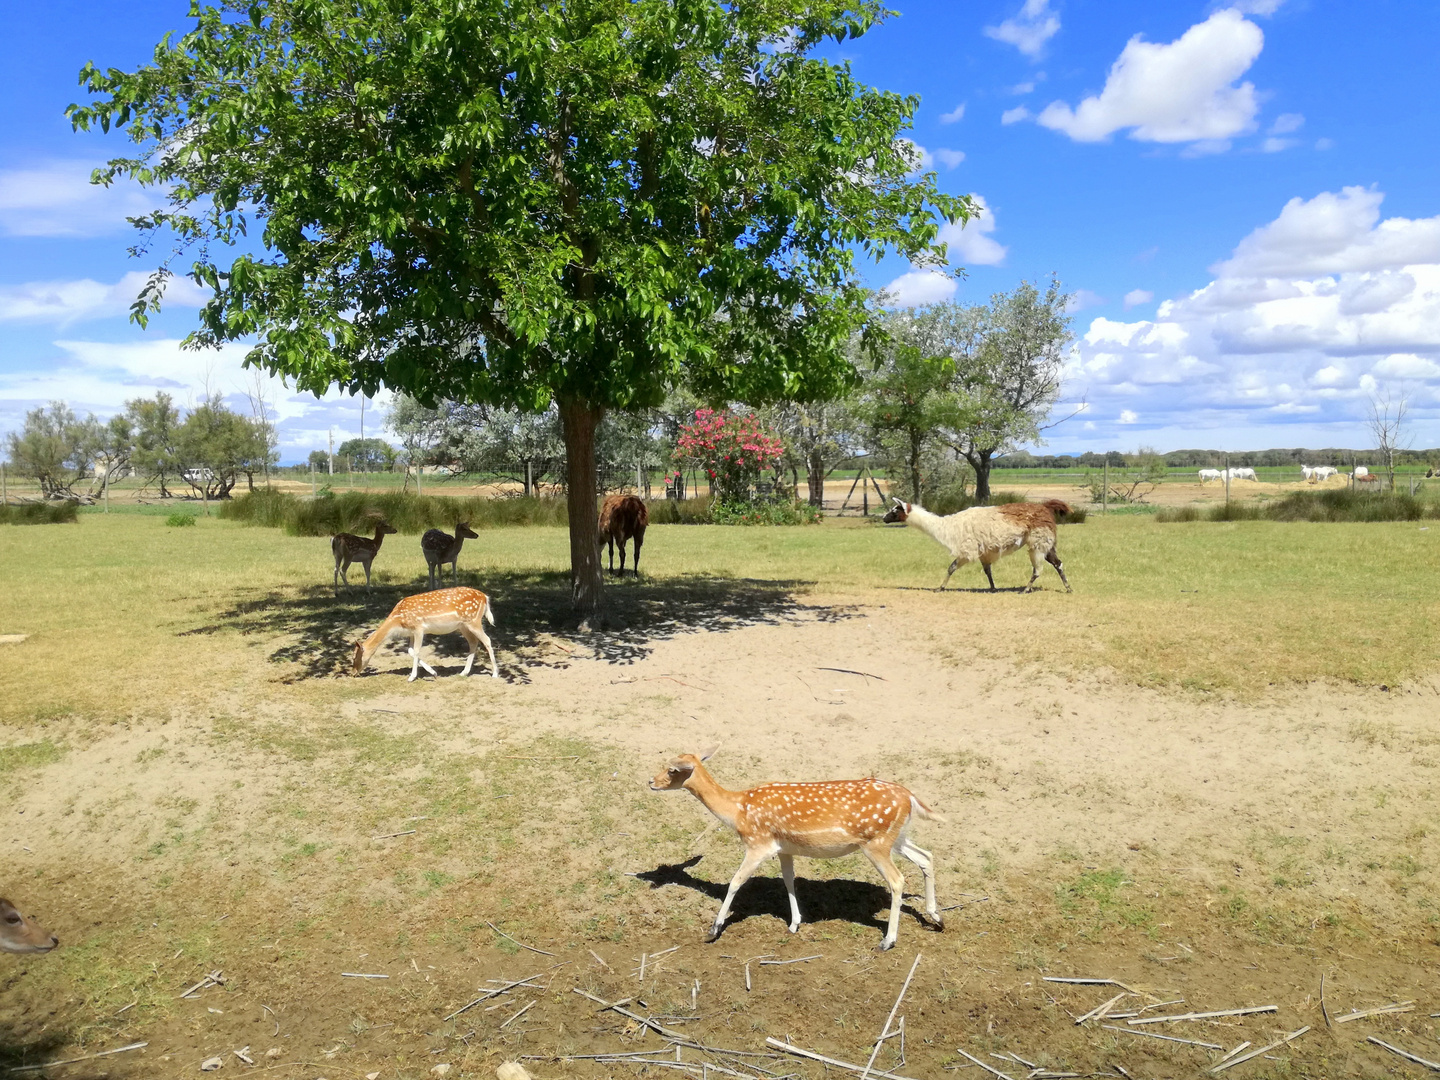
pixel 519 202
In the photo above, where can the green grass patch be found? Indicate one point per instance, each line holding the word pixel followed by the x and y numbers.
pixel 1340 505
pixel 29 755
pixel 180 520
pixel 46 513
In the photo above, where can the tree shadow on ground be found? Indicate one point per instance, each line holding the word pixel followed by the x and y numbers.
pixel 863 903
pixel 317 627
pixel 26 1048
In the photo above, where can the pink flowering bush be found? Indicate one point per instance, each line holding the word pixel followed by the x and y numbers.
pixel 734 451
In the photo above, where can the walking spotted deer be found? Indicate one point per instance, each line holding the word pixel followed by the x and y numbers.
pixel 441 548
pixel 825 820
pixel 349 548
pixel 20 935
pixel 443 611
pixel 623 517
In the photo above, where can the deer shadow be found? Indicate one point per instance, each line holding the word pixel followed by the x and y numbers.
pixel 316 627
pixel 845 899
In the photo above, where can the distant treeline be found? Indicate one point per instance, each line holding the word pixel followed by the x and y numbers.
pixel 1210 459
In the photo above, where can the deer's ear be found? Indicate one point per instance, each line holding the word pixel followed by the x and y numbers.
pixel 706 755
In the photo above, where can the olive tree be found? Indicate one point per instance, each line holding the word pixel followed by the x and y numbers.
pixel 520 202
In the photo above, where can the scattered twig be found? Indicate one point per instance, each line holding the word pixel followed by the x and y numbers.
pixel 72 1061
pixel 633 1016
pixel 221 919
pixel 1323 1011
pixel 1162 1004
pixel 890 1019
pixel 215 978
pixel 1090 982
pixel 988 1068
pixel 1098 1013
pixel 519 1014
pixel 952 907
pixel 1394 1050
pixel 1263 1050
pixel 797 960
pixel 1205 1015
pixel 1121 1070
pixel 127 1008
pixel 550 757
pixel 829 1060
pixel 244 1055
pixel 359 975
pixel 503 934
pixel 1167 1038
pixel 1232 1052
pixel 642 968
pixel 599 961
pixel 1379 1010
pixel 391 835
pixel 851 671
pixel 492 993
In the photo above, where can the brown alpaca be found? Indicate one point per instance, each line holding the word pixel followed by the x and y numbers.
pixel 623 517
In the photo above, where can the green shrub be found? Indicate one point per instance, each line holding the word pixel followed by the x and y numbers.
pixel 1337 505
pixel 680 511
pixel 46 513
pixel 179 521
pixel 357 511
pixel 764 513
pixel 1178 513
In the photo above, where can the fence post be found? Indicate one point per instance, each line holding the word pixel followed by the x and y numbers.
pixel 4 487
pixel 1105 486
pixel 313 493
pixel 1227 482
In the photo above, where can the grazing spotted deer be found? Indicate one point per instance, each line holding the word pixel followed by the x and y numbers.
pixel 825 820
pixel 623 517
pixel 441 548
pixel 349 548
pixel 443 611
pixel 20 935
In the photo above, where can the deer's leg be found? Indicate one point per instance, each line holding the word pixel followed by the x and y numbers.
pixel 954 565
pixel 416 642
pixel 893 878
pixel 1053 558
pixel 787 871
pixel 430 576
pixel 753 858
pixel 455 570
pixel 474 643
pixel 478 629
pixel 926 862
pixel 366 564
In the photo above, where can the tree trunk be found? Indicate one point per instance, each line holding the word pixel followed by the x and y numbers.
pixel 815 478
pixel 579 422
pixel 914 467
pixel 980 462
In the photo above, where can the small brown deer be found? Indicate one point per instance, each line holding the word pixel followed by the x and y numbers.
pixel 441 548
pixel 825 820
pixel 349 548
pixel 443 611
pixel 20 935
pixel 623 517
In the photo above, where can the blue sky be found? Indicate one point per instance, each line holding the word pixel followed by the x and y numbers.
pixel 1243 198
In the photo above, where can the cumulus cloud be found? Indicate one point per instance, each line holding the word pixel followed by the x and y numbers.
pixel 1029 29
pixel 57 199
pixel 1015 115
pixel 1181 92
pixel 76 301
pixel 971 244
pixel 921 160
pixel 1128 416
pixel 1136 297
pixel 1080 299
pixel 1309 313
pixel 949 158
pixel 1285 123
pixel 954 116
pixel 917 288
pixel 1254 7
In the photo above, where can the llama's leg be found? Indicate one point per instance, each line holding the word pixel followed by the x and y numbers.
pixel 622 556
pixel 1053 558
pixel 753 858
pixel 926 862
pixel 639 539
pixel 1035 559
pixel 896 881
pixel 954 565
pixel 787 871
pixel 988 575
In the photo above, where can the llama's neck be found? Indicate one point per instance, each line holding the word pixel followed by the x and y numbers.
pixel 924 520
pixel 720 802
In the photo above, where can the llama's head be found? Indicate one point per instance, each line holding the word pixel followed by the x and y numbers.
pixel 678 772
pixel 899 512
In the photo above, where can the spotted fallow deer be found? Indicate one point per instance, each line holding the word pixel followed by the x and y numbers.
pixel 441 548
pixel 825 820
pixel 443 611
pixel 349 548
pixel 20 935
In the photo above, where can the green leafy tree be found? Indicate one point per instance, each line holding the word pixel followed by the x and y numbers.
pixel 216 446
pixel 818 436
pixel 520 202
pixel 56 448
pixel 155 423
pixel 369 455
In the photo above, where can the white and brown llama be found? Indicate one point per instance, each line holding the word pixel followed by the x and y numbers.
pixel 443 611
pixel 825 820
pixel 986 534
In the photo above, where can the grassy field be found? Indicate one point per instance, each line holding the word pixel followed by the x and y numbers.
pixel 192 789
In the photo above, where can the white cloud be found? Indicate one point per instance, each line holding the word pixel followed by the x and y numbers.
pixel 1310 312
pixel 921 160
pixel 971 244
pixel 57 199
pixel 1080 299
pixel 1285 123
pixel 1254 7
pixel 75 301
pixel 1023 88
pixel 919 287
pixel 1273 145
pixel 1029 29
pixel 1181 92
pixel 1136 297
pixel 1128 416
pixel 1324 144
pixel 949 158
pixel 954 116
pixel 1015 115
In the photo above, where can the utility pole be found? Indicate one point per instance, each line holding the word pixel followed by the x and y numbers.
pixel 1105 487
pixel 4 487
pixel 331 453
pixel 1227 482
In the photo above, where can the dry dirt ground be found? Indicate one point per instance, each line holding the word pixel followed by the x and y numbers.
pixel 1205 854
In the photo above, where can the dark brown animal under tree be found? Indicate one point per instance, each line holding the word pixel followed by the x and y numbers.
pixel 623 517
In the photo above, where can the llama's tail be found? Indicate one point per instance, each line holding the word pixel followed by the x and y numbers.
pixel 923 812
pixel 1056 507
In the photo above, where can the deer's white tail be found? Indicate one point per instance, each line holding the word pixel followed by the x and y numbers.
pixel 489 611
pixel 923 812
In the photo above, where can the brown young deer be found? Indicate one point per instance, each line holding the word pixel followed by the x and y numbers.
pixel 623 517
pixel 443 611
pixel 825 820
pixel 441 548
pixel 349 548
pixel 20 935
